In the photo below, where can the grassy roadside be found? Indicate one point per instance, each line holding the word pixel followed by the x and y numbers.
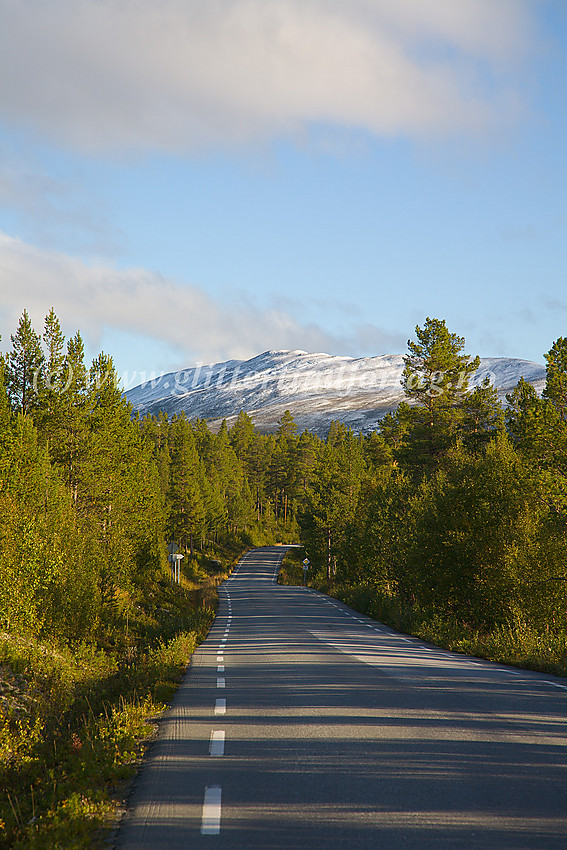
pixel 75 720
pixel 518 644
pixel 291 571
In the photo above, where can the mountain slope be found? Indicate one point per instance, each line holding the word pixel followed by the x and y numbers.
pixel 316 388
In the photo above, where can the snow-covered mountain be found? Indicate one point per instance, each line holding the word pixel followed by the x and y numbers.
pixel 316 388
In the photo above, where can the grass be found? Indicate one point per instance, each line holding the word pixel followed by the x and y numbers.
pixel 75 720
pixel 291 571
pixel 518 644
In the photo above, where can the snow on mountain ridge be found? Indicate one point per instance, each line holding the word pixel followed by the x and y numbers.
pixel 316 387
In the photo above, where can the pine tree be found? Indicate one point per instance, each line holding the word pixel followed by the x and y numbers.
pixel 54 343
pixel 377 451
pixel 307 451
pixel 436 373
pixel 155 429
pixel 375 549
pixel 436 379
pixel 332 497
pixel 23 374
pixel 185 501
pixel 47 584
pixel 68 431
pixel 213 494
pixel 286 426
pixel 555 389
pixel 254 451
pixel 241 436
pixel 483 417
pixel 283 473
pixel 118 484
pixel 522 415
pixel 475 521
pixel 5 415
pixel 51 401
pixel 538 427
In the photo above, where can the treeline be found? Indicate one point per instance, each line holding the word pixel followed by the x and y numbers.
pixel 80 511
pixel 454 502
pixel 89 495
pixel 454 505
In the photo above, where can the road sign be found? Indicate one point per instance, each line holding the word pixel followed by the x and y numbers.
pixel 306 563
pixel 175 559
pixel 172 547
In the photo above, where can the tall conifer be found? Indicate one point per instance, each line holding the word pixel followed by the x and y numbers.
pixel 23 376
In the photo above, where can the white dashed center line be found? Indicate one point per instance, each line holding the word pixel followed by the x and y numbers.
pixel 210 824
pixel 216 746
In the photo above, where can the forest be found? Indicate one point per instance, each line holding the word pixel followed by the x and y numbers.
pixel 455 502
pixel 449 520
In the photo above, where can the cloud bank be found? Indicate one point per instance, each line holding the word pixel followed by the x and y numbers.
pixel 178 75
pixel 94 298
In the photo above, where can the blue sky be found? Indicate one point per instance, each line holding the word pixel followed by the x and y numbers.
pixel 187 182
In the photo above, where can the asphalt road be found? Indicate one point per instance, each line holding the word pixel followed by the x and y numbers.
pixel 302 724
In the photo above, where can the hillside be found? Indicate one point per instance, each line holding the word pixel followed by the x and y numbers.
pixel 316 388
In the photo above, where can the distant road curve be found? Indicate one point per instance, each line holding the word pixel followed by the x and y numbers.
pixel 302 724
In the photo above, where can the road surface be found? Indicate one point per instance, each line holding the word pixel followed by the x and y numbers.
pixel 302 724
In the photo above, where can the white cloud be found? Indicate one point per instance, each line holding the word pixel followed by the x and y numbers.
pixel 181 74
pixel 96 299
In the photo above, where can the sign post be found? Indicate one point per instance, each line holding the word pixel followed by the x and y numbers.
pixel 306 563
pixel 175 557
